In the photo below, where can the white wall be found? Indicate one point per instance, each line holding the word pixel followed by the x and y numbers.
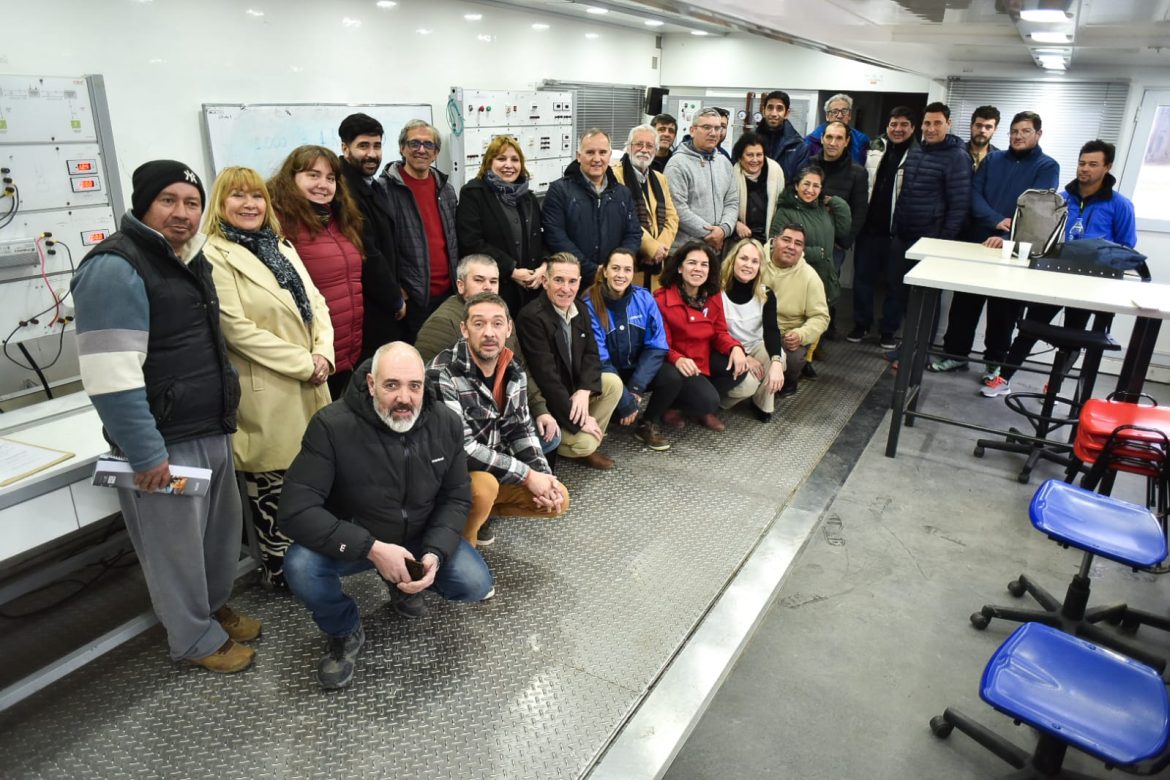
pixel 744 61
pixel 162 59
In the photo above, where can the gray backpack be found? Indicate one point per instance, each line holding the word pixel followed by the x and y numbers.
pixel 1040 219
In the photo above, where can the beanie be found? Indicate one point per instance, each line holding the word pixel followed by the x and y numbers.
pixel 155 176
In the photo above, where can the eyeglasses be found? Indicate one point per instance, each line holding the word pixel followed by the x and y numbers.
pixel 709 128
pixel 416 144
pixel 839 112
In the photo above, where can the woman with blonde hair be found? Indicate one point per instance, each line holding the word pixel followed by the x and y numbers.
pixel 321 219
pixel 498 215
pixel 279 338
pixel 750 310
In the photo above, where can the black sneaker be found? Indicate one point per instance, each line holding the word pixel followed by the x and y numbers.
pixel 788 389
pixel 336 668
pixel 856 335
pixel 808 372
pixel 888 341
pixel 409 605
pixel 485 535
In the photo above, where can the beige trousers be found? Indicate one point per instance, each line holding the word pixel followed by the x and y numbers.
pixel 579 445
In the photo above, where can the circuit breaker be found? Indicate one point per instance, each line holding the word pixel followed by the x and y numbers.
pixel 59 189
pixel 541 122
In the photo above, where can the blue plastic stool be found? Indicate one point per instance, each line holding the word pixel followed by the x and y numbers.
pixel 1099 525
pixel 1076 694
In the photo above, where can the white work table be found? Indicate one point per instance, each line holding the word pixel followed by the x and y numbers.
pixel 958 250
pixel 60 499
pixel 1148 302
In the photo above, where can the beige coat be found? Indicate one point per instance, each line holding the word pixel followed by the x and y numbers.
pixel 655 238
pixel 272 348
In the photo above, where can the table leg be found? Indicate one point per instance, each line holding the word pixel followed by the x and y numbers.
pixel 930 303
pixel 1138 354
pixel 911 332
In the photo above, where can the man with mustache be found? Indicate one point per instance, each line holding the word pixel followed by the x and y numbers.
pixel 380 483
pixel 480 380
pixel 652 201
pixel 385 306
pixel 155 366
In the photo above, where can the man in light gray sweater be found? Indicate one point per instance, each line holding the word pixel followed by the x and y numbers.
pixel 703 186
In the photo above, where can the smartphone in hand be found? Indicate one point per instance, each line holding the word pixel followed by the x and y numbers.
pixel 415 569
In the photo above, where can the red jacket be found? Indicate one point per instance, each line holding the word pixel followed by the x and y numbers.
pixel 335 266
pixel 692 333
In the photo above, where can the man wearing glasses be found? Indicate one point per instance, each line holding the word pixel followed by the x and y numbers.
pixel 422 203
pixel 998 184
pixel 839 108
pixel 702 185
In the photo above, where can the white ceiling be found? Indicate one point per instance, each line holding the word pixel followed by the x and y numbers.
pixel 933 37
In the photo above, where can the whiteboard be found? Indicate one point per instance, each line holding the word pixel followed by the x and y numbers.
pixel 261 135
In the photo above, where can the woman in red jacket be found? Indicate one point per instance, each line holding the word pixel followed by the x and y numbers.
pixel 321 219
pixel 709 358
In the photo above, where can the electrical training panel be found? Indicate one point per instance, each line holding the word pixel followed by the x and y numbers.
pixel 57 200
pixel 542 122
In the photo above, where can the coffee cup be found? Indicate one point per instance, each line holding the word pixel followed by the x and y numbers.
pixel 1025 250
pixel 1005 251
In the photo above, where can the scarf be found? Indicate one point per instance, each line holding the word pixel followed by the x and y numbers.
pixel 698 302
pixel 323 212
pixel 264 244
pixel 509 194
pixel 641 200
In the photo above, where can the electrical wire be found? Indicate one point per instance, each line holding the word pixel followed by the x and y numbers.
pixel 44 276
pixel 454 117
pixel 7 219
pixel 56 307
pixel 107 565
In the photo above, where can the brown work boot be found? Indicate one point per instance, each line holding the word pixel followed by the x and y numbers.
pixel 595 460
pixel 712 422
pixel 232 657
pixel 239 627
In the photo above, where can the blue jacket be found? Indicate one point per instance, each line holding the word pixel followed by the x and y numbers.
pixel 1104 214
pixel 785 147
pixel 635 340
pixel 858 142
pixel 579 220
pixel 936 191
pixel 998 184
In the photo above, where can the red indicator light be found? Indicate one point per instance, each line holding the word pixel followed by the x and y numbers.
pixel 86 184
pixel 84 167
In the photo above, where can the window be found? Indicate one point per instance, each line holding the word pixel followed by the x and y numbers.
pixel 1147 168
pixel 1072 112
pixel 614 109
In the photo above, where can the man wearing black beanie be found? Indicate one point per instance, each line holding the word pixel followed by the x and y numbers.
pixel 154 364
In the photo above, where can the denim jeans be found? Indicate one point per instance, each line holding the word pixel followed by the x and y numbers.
pixel 315 579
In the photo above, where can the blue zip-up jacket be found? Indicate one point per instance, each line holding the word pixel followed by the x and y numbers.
pixel 1104 214
pixel 636 340
pixel 589 225
pixel 786 147
pixel 936 191
pixel 998 184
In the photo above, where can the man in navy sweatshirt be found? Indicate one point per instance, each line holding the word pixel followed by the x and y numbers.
pixel 999 182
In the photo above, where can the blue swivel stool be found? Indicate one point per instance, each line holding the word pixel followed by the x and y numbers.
pixel 1075 694
pixel 1100 526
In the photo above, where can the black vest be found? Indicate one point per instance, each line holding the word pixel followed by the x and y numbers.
pixel 192 388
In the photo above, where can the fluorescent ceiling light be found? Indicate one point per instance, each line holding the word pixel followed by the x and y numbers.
pixel 653 23
pixel 423 31
pixel 254 12
pixel 1044 15
pixel 385 3
pixel 1051 37
pixel 592 36
pixel 351 23
pixel 539 26
pixel 596 11
pixel 699 33
pixel 473 17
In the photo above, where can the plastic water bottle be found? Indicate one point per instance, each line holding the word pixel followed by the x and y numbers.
pixel 1078 230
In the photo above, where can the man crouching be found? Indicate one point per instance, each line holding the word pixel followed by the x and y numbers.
pixel 380 482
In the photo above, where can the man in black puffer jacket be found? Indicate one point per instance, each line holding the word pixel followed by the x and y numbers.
pixel 381 481
pixel 936 189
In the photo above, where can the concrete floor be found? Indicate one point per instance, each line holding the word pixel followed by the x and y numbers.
pixel 869 635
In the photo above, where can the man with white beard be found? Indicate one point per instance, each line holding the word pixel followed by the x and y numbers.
pixel 652 202
pixel 380 483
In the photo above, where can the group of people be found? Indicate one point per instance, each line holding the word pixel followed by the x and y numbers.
pixel 389 365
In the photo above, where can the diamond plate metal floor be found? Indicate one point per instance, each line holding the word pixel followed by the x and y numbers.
pixel 533 684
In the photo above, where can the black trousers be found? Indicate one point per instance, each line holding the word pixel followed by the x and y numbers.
pixel 966 309
pixel 1044 313
pixel 699 395
pixel 663 389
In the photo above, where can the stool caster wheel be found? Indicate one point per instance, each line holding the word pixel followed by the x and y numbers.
pixel 940 727
pixel 1016 588
pixel 979 452
pixel 979 620
pixel 1129 626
